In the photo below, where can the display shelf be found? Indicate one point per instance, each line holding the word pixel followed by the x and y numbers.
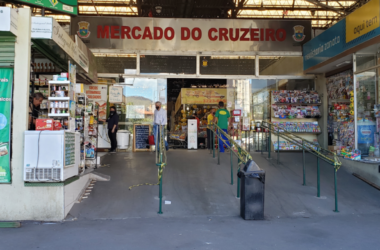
pixel 59 98
pixel 296 119
pixel 341 100
pixel 298 104
pixel 59 115
pixel 60 82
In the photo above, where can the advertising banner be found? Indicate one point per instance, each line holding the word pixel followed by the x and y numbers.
pixel 9 20
pixel 363 20
pixel 98 94
pixel 170 34
pixel 6 80
pixel 203 96
pixel 64 6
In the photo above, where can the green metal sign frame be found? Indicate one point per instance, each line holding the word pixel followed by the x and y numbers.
pixel 64 6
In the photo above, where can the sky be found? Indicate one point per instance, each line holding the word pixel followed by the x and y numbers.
pixel 147 88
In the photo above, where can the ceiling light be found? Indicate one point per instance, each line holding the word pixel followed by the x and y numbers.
pixel 158 9
pixel 343 63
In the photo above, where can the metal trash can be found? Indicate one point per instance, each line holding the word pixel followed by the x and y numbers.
pixel 252 191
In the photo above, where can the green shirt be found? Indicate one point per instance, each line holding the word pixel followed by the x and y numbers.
pixel 222 115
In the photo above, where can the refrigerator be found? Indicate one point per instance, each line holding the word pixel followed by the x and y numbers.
pixel 51 156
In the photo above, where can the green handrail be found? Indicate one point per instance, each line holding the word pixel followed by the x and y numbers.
pixel 305 145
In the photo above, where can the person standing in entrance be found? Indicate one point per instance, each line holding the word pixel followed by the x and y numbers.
pixel 113 122
pixel 159 119
pixel 34 109
pixel 221 118
pixel 210 118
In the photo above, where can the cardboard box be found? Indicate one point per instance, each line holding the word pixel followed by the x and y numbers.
pixel 44 124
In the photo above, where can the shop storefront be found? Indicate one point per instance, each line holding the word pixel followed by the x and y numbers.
pixel 347 56
pixel 43 151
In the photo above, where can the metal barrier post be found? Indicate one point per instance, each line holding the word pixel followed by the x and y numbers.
pixel 318 178
pixel 209 140
pixel 303 163
pixel 249 141
pixel 270 141
pixel 261 142
pixel 160 169
pixel 278 146
pixel 213 142
pixel 219 139
pixel 336 190
pixel 238 179
pixel 232 165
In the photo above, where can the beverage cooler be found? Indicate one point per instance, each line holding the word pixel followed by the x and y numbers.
pixel 51 156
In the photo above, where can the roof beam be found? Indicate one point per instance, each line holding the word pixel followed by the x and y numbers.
pixel 326 7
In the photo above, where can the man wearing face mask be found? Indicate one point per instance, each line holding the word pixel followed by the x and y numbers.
pixel 210 118
pixel 159 119
pixel 113 121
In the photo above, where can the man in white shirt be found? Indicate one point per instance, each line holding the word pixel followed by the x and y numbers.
pixel 159 119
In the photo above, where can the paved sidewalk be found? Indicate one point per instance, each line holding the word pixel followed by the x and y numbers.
pixel 204 210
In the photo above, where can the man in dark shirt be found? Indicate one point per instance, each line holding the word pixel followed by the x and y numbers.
pixel 113 121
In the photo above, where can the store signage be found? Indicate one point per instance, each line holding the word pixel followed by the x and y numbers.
pixel 64 6
pixel 9 20
pixel 48 28
pixel 115 94
pixel 6 82
pixel 98 94
pixel 203 96
pixel 192 134
pixel 191 34
pixel 341 36
pixel 82 54
pixel 363 20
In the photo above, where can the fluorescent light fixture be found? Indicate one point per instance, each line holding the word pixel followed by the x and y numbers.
pixel 342 63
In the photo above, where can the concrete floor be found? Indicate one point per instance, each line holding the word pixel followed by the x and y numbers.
pixel 204 210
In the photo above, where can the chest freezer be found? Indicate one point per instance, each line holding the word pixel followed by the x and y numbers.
pixel 51 156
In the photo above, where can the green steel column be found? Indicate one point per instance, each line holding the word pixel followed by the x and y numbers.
pixel 336 190
pixel 303 163
pixel 238 180
pixel 160 188
pixel 318 178
pixel 232 165
pixel 278 146
pixel 238 185
pixel 270 142
pixel 213 143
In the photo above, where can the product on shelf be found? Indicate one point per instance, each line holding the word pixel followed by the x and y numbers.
pixel 296 96
pixel 295 112
pixel 297 127
pixel 340 85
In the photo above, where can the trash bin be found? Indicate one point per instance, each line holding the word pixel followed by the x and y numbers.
pixel 252 191
pixel 122 137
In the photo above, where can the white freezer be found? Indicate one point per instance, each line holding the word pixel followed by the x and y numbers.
pixel 51 156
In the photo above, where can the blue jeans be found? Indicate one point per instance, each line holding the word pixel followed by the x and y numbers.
pixel 156 133
pixel 221 144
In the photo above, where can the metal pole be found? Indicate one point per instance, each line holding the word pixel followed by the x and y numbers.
pixel 232 166
pixel 303 163
pixel 160 193
pixel 160 168
pixel 318 178
pixel 270 141
pixel 238 180
pixel 219 147
pixel 249 141
pixel 278 146
pixel 262 142
pixel 336 191
pixel 213 142
pixel 209 140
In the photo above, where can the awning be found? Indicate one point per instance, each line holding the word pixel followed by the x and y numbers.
pixel 50 39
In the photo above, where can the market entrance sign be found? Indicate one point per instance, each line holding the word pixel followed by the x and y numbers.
pixel 6 80
pixel 64 6
pixel 163 34
pixel 363 20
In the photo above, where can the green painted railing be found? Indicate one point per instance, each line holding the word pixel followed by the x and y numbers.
pixel 306 146
pixel 235 149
